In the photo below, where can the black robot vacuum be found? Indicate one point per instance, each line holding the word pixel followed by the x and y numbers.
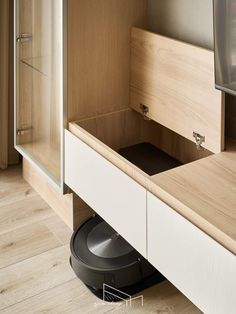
pixel 99 255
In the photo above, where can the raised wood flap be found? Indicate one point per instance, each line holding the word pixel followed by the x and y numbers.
pixel 175 81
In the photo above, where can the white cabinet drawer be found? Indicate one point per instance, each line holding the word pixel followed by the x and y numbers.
pixel 196 264
pixel 116 197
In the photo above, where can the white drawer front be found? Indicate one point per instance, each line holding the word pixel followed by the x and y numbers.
pixel 111 193
pixel 196 264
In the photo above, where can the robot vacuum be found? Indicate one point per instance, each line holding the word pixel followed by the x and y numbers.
pixel 99 255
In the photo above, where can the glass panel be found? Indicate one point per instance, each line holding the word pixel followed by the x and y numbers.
pixel 225 44
pixel 39 83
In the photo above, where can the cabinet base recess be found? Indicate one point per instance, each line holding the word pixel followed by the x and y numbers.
pixel 149 158
pixel 100 256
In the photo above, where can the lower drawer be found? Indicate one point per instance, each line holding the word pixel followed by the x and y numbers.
pixel 197 265
pixel 116 197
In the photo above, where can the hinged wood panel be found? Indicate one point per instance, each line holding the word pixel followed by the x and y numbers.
pixel 175 81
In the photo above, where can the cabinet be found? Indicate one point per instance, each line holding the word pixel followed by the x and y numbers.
pixel 162 109
pixel 110 85
pixel 40 84
pixel 71 61
pixel 197 265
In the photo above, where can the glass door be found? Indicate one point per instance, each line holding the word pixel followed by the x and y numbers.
pixel 39 83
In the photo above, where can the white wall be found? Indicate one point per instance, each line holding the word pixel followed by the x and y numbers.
pixel 187 20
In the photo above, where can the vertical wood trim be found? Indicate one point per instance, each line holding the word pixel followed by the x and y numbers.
pixel 99 54
pixel 4 81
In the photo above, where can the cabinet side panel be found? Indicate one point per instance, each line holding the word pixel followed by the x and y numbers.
pixel 196 264
pixel 99 54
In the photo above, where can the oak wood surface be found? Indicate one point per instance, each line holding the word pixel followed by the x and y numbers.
pixel 22 212
pixel 70 208
pixel 99 54
pixel 74 298
pixel 126 127
pixel 13 243
pixel 37 274
pixel 175 81
pixel 205 192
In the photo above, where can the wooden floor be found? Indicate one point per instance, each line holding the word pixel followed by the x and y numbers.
pixel 35 275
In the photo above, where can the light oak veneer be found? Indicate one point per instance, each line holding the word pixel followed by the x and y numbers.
pixel 205 193
pixel 99 54
pixel 175 81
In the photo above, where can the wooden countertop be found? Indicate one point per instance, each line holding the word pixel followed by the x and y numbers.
pixel 204 192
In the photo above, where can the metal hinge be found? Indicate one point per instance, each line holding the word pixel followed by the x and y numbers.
pixel 24 37
pixel 144 110
pixel 199 140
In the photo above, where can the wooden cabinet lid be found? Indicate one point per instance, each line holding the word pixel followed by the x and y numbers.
pixel 174 81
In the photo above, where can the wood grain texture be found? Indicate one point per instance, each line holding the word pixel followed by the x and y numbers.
pixel 74 298
pixel 21 188
pixel 46 155
pixel 117 129
pixel 99 54
pixel 126 127
pixel 110 132
pixel 4 81
pixel 81 211
pixel 62 204
pixel 176 81
pixel 172 143
pixel 37 274
pixel 205 193
pixel 26 210
pixel 37 237
pixel 69 208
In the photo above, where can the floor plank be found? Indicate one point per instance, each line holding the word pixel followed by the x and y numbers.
pixel 13 187
pixel 71 297
pixel 60 230
pixel 23 212
pixel 26 242
pixel 34 275
pixel 74 298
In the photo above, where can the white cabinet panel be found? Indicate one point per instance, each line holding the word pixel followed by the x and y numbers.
pixel 111 193
pixel 196 264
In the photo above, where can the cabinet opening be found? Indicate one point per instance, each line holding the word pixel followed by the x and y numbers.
pixel 133 143
pixel 149 158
